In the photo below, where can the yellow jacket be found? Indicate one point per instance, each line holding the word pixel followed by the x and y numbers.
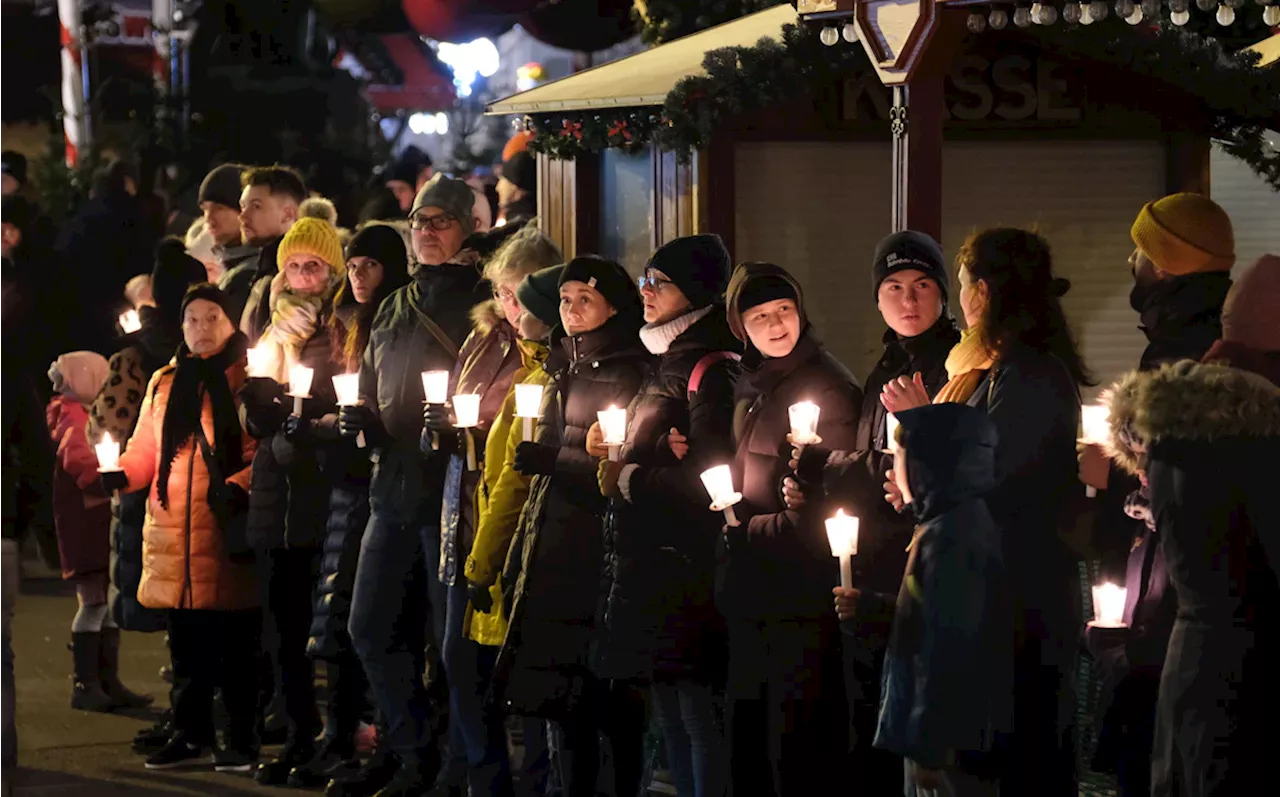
pixel 500 500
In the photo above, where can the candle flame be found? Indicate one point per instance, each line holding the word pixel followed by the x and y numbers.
pixel 129 321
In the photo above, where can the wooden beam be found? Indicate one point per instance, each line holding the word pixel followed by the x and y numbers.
pixel 1187 163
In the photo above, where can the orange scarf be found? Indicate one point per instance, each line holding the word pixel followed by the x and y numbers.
pixel 967 364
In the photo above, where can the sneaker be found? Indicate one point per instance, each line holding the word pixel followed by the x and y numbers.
pixel 231 759
pixel 177 753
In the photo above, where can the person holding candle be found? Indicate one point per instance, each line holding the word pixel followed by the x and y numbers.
pixel 417 328
pixel 949 662
pixel 543 669
pixel 191 452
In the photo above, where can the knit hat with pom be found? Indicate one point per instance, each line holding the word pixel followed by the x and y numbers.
pixel 1249 316
pixel 315 237
pixel 79 374
pixel 1185 234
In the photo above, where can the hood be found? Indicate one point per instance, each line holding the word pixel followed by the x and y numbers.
pixel 951 456
pixel 1189 401
pixel 487 316
pixel 744 274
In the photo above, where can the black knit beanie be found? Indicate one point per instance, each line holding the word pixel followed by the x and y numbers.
pixel 698 264
pixel 609 278
pixel 383 243
pixel 174 272
pixel 909 250
pixel 210 293
pixel 522 171
pixel 222 185
pixel 539 293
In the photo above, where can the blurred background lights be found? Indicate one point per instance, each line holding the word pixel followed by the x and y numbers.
pixel 478 58
pixel 429 124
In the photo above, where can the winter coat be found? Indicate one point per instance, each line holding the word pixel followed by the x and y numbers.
pixel 1212 437
pixel 657 616
pixel 256 316
pixel 115 410
pixel 185 564
pixel 778 564
pixel 348 515
pixel 1182 317
pixel 553 568
pixel 949 666
pixel 406 487
pixel 486 365
pixel 81 511
pixel 500 500
pixel 242 271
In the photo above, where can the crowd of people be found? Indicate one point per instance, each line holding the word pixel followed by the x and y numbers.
pixel 469 569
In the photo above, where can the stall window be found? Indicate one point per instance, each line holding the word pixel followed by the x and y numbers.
pixel 626 208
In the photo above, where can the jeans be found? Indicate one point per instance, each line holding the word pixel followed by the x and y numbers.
pixel 390 612
pixel 287 579
pixel 212 649
pixel 11 575
pixel 695 748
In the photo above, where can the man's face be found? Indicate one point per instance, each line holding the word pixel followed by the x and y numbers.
pixel 265 216
pixel 222 222
pixel 404 194
pixel 437 236
pixel 910 302
pixel 9 184
pixel 1145 273
pixel 10 239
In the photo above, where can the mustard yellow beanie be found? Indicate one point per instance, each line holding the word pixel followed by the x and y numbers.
pixel 313 237
pixel 1185 234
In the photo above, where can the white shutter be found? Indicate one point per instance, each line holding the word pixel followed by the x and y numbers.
pixel 1253 206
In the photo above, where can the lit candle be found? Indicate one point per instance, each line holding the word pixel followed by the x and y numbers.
pixel 347 386
pixel 719 484
pixel 1108 605
pixel 528 406
pixel 300 377
pixel 259 361
pixel 1095 423
pixel 129 321
pixel 842 534
pixel 891 431
pixel 435 386
pixel 613 423
pixel 108 452
pixel 804 423
pixel 466 413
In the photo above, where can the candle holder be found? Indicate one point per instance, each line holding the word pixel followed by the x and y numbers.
pixel 842 534
pixel 528 407
pixel 435 388
pixel 719 484
pixel 347 387
pixel 613 425
pixel 804 424
pixel 300 377
pixel 108 452
pixel 466 412
pixel 1108 606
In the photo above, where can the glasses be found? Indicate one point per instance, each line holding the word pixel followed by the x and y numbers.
pixel 439 223
pixel 654 283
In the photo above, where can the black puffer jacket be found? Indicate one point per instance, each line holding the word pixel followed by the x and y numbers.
pixel 555 557
pixel 657 614
pixel 778 564
pixel 348 508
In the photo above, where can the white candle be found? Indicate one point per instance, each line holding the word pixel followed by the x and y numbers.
pixel 528 406
pixel 1108 605
pixel 300 377
pixel 1095 424
pixel 435 385
pixel 108 452
pixel 129 321
pixel 613 424
pixel 259 361
pixel 804 423
pixel 891 431
pixel 719 484
pixel 347 387
pixel 842 534
pixel 466 413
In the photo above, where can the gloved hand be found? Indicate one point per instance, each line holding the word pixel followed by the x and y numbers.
pixel 113 481
pixel 264 408
pixel 1105 643
pixel 236 499
pixel 807 463
pixel 481 599
pixel 358 418
pixel 533 459
pixel 296 429
pixel 438 418
pixel 607 477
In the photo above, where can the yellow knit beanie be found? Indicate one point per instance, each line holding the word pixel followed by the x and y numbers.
pixel 1185 234
pixel 313 237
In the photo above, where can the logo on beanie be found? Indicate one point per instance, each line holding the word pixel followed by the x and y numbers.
pixel 591 283
pixel 896 261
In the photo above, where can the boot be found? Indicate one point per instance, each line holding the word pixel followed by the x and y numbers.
pixel 414 776
pixel 276 771
pixel 109 674
pixel 334 759
pixel 87 694
pixel 367 780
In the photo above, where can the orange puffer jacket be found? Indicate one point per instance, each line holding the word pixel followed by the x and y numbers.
pixel 184 563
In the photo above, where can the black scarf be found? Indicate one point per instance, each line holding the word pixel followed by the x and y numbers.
pixel 1181 316
pixel 193 378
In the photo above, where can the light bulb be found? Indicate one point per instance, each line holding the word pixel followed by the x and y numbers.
pixel 849 32
pixel 1179 5
pixel 1235 3
pixel 1206 5
pixel 1151 9
pixel 1048 15
pixel 829 36
pixel 1036 9
pixel 1099 10
pixel 1022 17
pixel 1179 18
pixel 999 19
pixel 1134 18
pixel 1124 9
pixel 976 23
pixel 1086 14
pixel 1226 15
pixel 1071 13
pixel 1271 15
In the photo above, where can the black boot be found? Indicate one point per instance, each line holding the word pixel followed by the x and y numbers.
pixel 366 781
pixel 149 740
pixel 276 771
pixel 332 761
pixel 109 674
pixel 86 692
pixel 415 775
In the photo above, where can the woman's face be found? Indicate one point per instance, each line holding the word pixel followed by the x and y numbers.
pixel 205 327
pixel 583 308
pixel 773 327
pixel 505 293
pixel 366 275
pixel 973 297
pixel 910 302
pixel 663 301
pixel 306 274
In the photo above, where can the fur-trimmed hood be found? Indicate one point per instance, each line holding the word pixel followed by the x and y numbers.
pixel 1189 401
pixel 486 316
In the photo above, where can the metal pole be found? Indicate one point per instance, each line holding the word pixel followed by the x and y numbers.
pixel 75 80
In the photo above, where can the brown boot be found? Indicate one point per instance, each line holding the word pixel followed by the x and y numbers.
pixel 109 674
pixel 87 694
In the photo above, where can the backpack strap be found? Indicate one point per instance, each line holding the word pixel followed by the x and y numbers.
pixel 436 332
pixel 708 360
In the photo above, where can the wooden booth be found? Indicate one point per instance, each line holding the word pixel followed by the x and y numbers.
pixel 937 129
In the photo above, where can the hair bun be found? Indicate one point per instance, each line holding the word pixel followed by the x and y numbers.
pixel 1058 287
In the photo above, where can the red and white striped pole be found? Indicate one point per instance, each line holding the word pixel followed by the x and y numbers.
pixel 73 100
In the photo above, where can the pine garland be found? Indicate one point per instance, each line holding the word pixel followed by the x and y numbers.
pixel 662 21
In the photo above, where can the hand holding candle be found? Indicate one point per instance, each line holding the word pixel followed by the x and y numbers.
pixel 466 413
pixel 1095 422
pixel 435 386
pixel 528 407
pixel 613 425
pixel 347 387
pixel 1108 605
pixel 804 424
pixel 719 484
pixel 108 452
pixel 129 321
pixel 300 377
pixel 842 534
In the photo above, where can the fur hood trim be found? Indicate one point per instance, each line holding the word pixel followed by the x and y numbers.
pixel 1189 401
pixel 486 316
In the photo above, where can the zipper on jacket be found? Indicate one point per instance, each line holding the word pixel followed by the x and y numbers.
pixel 188 589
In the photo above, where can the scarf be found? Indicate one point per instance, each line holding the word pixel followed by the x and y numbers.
pixel 194 378
pixel 657 338
pixel 294 320
pixel 967 364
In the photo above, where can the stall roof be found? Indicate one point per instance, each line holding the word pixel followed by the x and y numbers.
pixel 646 77
pixel 1269 49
